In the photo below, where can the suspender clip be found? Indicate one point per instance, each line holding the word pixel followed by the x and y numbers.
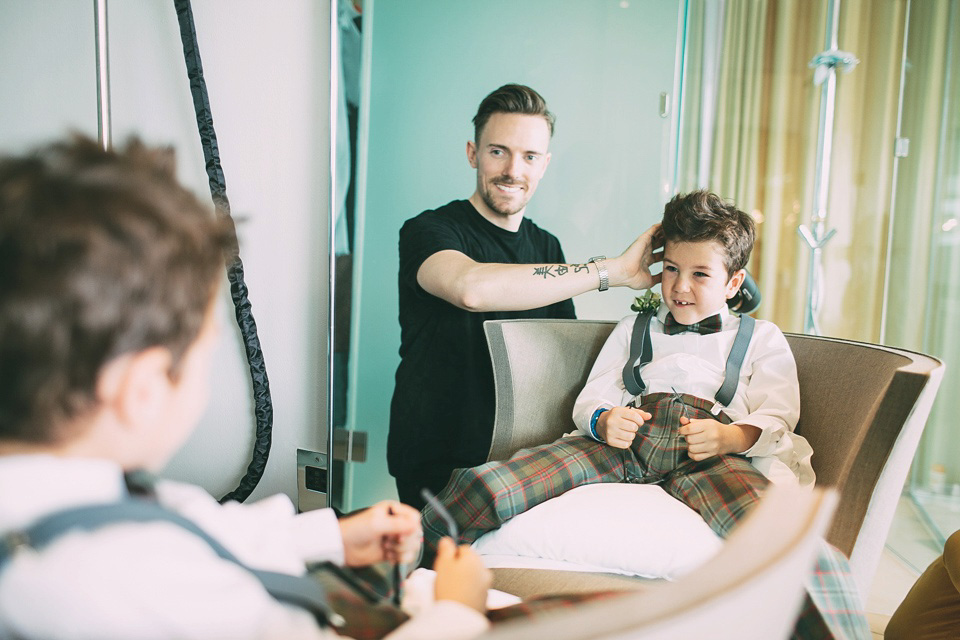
pixel 13 541
pixel 716 408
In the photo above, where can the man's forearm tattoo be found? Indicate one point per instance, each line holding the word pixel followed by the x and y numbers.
pixel 545 271
pixel 554 270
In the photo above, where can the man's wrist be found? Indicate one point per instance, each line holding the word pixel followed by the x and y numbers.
pixel 615 272
pixel 600 262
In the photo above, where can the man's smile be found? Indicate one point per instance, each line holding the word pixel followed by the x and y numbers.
pixel 507 187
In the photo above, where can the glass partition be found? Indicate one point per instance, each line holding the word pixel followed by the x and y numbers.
pixel 924 294
pixel 608 70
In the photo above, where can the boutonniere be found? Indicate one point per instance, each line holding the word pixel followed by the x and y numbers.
pixel 649 301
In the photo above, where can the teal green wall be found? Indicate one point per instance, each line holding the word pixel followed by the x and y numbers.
pixel 601 67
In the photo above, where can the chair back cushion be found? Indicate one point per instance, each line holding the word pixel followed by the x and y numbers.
pixel 539 368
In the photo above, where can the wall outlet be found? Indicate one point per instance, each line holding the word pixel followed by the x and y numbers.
pixel 312 480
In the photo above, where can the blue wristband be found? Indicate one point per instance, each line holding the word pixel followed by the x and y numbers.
pixel 593 423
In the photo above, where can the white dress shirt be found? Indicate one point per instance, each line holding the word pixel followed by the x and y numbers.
pixel 157 580
pixel 767 397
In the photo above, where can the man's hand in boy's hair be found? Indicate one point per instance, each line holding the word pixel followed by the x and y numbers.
pixel 632 267
pixel 706 437
pixel 461 575
pixel 387 531
pixel 618 426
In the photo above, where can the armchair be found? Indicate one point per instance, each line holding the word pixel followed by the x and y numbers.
pixel 863 409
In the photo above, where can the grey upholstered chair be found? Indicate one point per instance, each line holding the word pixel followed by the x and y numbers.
pixel 863 409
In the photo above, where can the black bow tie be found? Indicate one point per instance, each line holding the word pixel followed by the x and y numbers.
pixel 706 326
pixel 140 483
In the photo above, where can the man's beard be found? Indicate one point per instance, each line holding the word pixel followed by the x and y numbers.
pixel 503 209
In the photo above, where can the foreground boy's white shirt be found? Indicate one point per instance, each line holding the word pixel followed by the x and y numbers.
pixel 155 580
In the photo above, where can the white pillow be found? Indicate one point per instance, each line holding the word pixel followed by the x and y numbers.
pixel 630 529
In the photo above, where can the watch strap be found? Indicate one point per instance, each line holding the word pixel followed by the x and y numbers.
pixel 601 262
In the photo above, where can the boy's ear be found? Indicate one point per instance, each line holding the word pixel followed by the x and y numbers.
pixel 735 281
pixel 134 387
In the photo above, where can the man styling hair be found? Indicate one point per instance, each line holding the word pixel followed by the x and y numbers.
pixel 475 260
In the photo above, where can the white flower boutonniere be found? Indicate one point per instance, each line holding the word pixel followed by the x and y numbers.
pixel 650 301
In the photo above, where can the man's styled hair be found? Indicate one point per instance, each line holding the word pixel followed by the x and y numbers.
pixel 511 98
pixel 102 253
pixel 701 216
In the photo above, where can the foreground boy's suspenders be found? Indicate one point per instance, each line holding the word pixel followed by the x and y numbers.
pixel 299 591
pixel 641 348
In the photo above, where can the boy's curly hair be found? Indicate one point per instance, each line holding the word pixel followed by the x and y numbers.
pixel 702 216
pixel 102 253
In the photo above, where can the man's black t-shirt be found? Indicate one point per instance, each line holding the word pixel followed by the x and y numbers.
pixel 441 417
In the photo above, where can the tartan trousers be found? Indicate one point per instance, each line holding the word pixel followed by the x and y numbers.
pixel 722 489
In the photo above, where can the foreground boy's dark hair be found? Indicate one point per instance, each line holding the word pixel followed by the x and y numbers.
pixel 102 253
pixel 511 98
pixel 701 216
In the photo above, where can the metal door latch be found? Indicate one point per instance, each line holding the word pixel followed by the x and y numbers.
pixel 349 446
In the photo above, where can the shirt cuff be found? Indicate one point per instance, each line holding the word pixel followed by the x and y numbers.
pixel 771 431
pixel 317 536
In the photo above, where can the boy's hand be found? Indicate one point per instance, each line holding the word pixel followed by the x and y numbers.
pixel 387 531
pixel 618 426
pixel 461 575
pixel 706 437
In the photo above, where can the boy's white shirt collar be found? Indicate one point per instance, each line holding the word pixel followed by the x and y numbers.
pixel 37 484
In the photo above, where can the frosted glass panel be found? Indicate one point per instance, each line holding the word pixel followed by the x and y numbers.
pixel 601 65
pixel 48 64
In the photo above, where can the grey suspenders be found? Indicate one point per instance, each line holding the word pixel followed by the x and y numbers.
pixel 295 590
pixel 641 352
pixel 731 373
pixel 640 348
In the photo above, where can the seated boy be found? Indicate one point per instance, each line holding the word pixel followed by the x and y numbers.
pixel 690 396
pixel 108 275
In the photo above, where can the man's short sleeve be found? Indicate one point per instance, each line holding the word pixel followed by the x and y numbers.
pixel 420 238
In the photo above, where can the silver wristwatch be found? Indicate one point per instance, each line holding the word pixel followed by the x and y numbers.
pixel 601 262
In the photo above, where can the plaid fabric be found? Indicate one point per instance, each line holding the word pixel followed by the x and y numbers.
pixel 658 446
pixel 722 489
pixel 363 618
pixel 832 606
pixel 482 498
